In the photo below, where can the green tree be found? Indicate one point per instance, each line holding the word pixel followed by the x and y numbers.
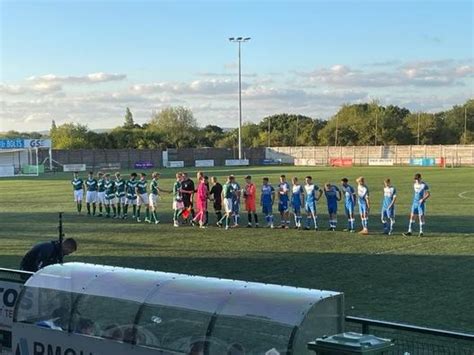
pixel 177 125
pixel 71 136
pixel 129 123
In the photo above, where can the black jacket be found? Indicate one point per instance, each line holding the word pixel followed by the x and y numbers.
pixel 41 255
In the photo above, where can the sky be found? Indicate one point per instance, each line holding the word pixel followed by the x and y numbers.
pixel 86 61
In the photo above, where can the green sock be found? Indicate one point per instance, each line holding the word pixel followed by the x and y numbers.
pixel 107 209
pixel 138 211
pixel 175 215
pixel 155 217
pixel 147 213
pixel 226 220
pixel 88 206
pixel 119 208
pixel 125 209
pixel 134 210
pixel 93 208
pixel 115 210
pixel 100 208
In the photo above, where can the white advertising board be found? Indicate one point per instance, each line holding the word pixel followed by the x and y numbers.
pixel 381 162
pixel 74 167
pixel 176 164
pixel 7 170
pixel 37 143
pixel 203 163
pixel 236 162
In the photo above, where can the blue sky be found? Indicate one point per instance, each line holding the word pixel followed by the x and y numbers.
pixel 85 61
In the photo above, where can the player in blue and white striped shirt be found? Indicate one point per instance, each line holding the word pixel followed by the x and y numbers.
pixel 388 207
pixel 421 194
pixel 364 204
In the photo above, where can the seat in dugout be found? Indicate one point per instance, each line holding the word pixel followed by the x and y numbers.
pixel 105 309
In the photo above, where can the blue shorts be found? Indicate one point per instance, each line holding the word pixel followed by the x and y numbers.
pixel 418 209
pixel 235 206
pixel 283 206
pixel 267 209
pixel 332 209
pixel 296 208
pixel 363 208
pixel 349 208
pixel 310 207
pixel 388 213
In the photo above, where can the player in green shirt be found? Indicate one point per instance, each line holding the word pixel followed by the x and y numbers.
pixel 91 194
pixel 100 192
pixel 154 195
pixel 178 205
pixel 142 198
pixel 78 188
pixel 120 194
pixel 227 196
pixel 131 185
pixel 109 186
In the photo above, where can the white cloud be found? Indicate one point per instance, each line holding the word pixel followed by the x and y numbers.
pixel 92 78
pixel 196 87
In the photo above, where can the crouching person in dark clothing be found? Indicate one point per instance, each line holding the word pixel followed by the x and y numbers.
pixel 47 253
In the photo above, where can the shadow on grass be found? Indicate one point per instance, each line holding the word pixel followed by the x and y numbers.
pixel 432 291
pixel 436 224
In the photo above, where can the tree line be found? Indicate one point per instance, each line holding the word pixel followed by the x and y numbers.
pixel 355 124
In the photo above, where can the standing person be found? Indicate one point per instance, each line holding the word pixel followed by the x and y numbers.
pixel 142 198
pixel 178 204
pixel 77 186
pixel 47 253
pixel 267 199
pixel 250 196
pixel 297 199
pixel 216 197
pixel 310 202
pixel 91 194
pixel 100 192
pixel 131 186
pixel 202 195
pixel 364 204
pixel 388 207
pixel 236 202
pixel 283 188
pixel 227 193
pixel 333 195
pixel 421 194
pixel 206 181
pixel 109 186
pixel 349 204
pixel 154 196
pixel 120 193
pixel 187 191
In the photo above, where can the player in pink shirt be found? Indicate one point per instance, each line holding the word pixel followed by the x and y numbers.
pixel 201 200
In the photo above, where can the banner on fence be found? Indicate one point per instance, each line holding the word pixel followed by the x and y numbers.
pixel 74 167
pixel 271 161
pixel 236 162
pixel 380 162
pixel 309 162
pixel 340 162
pixel 203 163
pixel 423 161
pixel 143 165
pixel 176 164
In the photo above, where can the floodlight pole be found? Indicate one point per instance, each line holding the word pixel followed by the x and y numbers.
pixel 239 40
pixel 465 125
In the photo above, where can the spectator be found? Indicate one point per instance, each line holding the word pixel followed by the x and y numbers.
pixel 47 253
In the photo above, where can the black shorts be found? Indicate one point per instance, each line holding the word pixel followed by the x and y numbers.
pixel 187 203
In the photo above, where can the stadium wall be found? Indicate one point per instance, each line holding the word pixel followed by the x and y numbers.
pixel 449 155
pixel 127 158
pixel 105 159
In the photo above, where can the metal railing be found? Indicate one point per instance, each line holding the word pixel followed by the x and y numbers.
pixel 414 340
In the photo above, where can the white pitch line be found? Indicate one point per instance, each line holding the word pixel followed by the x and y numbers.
pixel 402 248
pixel 461 195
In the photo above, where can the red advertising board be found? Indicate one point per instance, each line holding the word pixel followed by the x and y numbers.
pixel 340 162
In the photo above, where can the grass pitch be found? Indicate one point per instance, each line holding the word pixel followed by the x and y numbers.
pixel 426 281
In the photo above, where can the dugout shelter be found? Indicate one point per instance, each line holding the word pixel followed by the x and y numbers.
pixel 94 309
pixel 21 156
